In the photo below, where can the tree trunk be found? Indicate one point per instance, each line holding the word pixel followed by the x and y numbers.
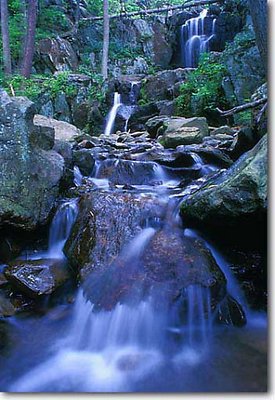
pixel 30 38
pixel 258 11
pixel 106 38
pixel 5 37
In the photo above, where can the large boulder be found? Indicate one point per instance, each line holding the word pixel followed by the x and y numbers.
pixel 236 195
pixel 105 223
pixel 62 130
pixel 164 269
pixel 37 277
pixel 30 175
pixel 183 131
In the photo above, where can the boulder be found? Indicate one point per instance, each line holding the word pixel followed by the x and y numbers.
pixel 176 123
pixel 37 277
pixel 183 136
pixel 62 130
pixel 168 265
pixel 30 176
pixel 105 223
pixel 236 195
pixel 84 160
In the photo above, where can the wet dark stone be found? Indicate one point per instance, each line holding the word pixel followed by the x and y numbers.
pixel 37 277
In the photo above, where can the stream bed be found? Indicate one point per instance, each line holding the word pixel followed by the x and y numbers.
pixel 158 309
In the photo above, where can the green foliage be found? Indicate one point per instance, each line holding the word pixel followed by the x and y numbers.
pixel 242 42
pixel 202 92
pixel 36 85
pixel 51 19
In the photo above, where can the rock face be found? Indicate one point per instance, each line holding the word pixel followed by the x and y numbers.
pixel 236 195
pixel 36 278
pixel 30 175
pixel 55 54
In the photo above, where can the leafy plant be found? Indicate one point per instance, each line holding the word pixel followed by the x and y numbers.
pixel 202 92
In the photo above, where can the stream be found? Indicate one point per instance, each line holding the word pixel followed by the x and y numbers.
pixel 136 325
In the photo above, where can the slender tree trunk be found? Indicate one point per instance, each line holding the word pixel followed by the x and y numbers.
pixel 258 11
pixel 77 14
pixel 5 36
pixel 106 38
pixel 30 38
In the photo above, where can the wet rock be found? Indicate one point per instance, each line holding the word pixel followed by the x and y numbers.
pixel 105 223
pixel 208 153
pixel 238 194
pixel 29 182
pixel 169 264
pixel 223 130
pixel 6 307
pixel 10 247
pixel 84 160
pixel 37 277
pixel 122 172
pixel 231 313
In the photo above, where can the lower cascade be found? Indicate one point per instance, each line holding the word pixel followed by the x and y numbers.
pixel 156 309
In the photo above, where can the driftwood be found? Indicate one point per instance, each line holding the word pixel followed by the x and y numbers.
pixel 242 107
pixel 155 10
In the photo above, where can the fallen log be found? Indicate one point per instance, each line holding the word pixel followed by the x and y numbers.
pixel 155 10
pixel 242 107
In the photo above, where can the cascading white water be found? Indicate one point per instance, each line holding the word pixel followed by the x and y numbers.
pixel 205 168
pixel 195 39
pixel 60 228
pixel 112 114
pixel 77 176
pixel 111 350
pixel 126 110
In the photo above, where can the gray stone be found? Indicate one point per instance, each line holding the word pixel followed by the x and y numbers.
pixel 30 176
pixel 236 195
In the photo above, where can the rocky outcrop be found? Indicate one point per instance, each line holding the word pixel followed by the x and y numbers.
pixel 31 172
pixel 237 195
pixel 55 54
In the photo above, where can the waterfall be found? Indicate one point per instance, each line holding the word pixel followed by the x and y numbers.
pixel 195 39
pixel 112 114
pixel 77 176
pixel 61 227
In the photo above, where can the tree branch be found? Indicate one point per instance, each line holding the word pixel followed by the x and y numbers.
pixel 242 107
pixel 157 10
